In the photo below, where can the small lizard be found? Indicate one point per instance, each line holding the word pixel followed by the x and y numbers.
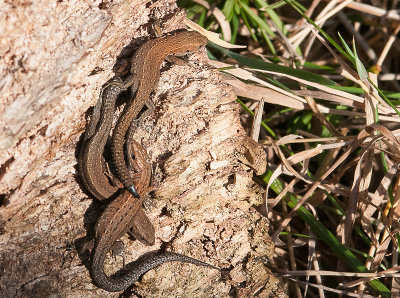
pixel 125 211
pixel 91 163
pixel 145 71
pixel 116 220
pixel 92 166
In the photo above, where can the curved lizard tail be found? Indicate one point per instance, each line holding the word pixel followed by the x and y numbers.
pixel 116 283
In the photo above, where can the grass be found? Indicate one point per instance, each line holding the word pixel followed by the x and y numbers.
pixel 327 73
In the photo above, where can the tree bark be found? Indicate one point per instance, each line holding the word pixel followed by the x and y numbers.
pixel 54 60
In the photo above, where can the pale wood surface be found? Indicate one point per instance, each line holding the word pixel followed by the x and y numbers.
pixel 54 60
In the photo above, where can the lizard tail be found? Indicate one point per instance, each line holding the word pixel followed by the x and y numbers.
pixel 117 282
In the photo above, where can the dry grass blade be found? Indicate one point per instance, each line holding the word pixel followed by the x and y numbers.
pixel 219 16
pixel 212 36
pixel 381 195
pixel 255 129
pixel 383 13
pixel 340 160
pixel 340 178
pixel 392 272
pixel 328 289
pixel 386 273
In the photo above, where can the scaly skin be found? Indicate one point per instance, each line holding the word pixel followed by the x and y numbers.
pixel 124 212
pixel 145 75
pixel 115 221
pixel 91 162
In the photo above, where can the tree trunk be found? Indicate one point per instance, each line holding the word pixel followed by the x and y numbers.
pixel 55 59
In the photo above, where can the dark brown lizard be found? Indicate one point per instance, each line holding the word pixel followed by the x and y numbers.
pixel 145 71
pixel 91 163
pixel 92 166
pixel 116 220
pixel 125 211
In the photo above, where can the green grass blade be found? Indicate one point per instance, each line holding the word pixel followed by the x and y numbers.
pixel 259 21
pixel 259 64
pixel 297 7
pixel 330 240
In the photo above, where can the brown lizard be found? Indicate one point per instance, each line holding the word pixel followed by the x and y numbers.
pixel 92 166
pixel 125 211
pixel 145 71
pixel 116 220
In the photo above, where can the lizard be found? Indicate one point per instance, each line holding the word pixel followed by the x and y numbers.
pixel 91 164
pixel 125 211
pixel 116 220
pixel 145 71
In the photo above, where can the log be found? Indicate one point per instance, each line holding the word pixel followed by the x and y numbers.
pixel 55 57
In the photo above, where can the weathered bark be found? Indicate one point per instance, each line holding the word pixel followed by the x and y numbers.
pixel 54 60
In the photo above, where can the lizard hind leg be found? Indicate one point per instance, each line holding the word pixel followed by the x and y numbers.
pixel 142 229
